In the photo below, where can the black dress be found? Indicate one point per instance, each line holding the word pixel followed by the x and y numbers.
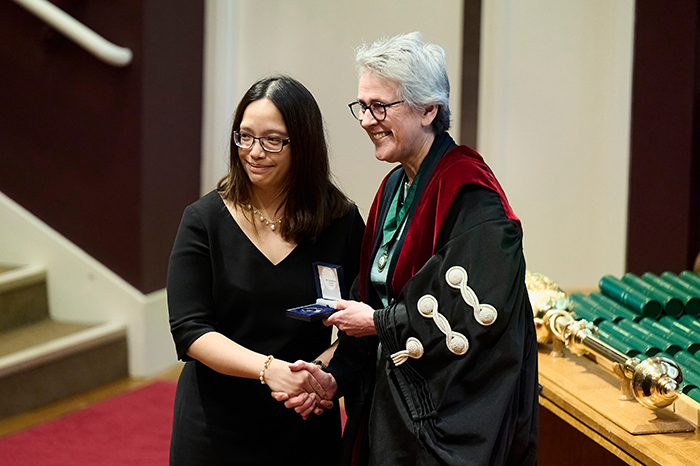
pixel 219 281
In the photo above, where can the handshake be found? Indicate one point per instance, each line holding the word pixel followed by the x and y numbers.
pixel 306 388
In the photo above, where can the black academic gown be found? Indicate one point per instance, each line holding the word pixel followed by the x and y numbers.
pixel 471 397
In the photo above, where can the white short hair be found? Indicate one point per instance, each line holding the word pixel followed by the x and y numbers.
pixel 418 68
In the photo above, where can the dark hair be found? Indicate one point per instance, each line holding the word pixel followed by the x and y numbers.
pixel 311 198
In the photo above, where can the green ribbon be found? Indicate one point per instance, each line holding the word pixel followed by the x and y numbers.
pixel 394 216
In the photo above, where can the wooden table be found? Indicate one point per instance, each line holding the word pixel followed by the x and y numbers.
pixel 578 393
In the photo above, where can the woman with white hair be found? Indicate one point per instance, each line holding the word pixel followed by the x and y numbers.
pixel 438 356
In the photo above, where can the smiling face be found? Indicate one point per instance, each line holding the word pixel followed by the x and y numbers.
pixel 267 171
pixel 405 135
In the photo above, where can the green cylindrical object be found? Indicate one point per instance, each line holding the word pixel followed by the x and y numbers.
pixel 672 306
pixel 691 303
pixel 582 311
pixel 687 360
pixel 691 322
pixel 621 346
pixel 680 283
pixel 677 338
pixel 630 297
pixel 691 278
pixel 682 327
pixel 650 337
pixel 690 377
pixel 586 309
pixel 629 338
pixel 617 309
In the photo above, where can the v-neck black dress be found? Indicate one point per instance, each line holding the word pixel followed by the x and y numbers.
pixel 219 281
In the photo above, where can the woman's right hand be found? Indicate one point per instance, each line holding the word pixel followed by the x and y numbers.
pixel 307 403
pixel 282 377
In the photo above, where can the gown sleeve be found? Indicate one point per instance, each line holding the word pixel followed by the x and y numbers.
pixel 190 279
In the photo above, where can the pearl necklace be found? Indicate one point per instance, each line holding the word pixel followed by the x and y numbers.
pixel 272 223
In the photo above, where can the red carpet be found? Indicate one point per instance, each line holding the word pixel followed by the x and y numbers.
pixel 131 429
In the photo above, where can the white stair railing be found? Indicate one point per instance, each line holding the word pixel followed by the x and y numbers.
pixel 78 32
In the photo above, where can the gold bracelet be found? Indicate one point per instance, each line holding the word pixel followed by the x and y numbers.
pixel 265 366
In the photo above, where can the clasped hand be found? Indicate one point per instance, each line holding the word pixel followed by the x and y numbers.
pixel 314 396
pixel 319 388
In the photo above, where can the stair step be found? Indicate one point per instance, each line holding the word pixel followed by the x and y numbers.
pixel 29 336
pixel 23 297
pixel 49 361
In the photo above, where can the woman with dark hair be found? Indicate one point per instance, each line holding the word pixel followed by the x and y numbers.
pixel 243 256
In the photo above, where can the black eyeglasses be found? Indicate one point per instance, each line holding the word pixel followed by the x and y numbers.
pixel 377 109
pixel 269 143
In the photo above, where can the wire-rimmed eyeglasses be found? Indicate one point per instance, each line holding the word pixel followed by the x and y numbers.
pixel 268 143
pixel 377 109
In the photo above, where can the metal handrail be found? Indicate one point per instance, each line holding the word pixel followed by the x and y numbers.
pixel 79 33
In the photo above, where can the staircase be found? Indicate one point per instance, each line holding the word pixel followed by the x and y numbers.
pixel 43 360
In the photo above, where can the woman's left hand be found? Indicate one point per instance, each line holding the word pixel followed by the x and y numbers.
pixel 354 318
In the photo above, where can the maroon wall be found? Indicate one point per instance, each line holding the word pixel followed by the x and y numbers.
pixel 107 156
pixel 664 194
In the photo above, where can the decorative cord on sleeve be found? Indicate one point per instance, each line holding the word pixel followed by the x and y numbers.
pixel 414 349
pixel 456 342
pixel 485 314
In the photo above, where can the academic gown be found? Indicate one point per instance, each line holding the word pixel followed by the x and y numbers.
pixel 470 397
